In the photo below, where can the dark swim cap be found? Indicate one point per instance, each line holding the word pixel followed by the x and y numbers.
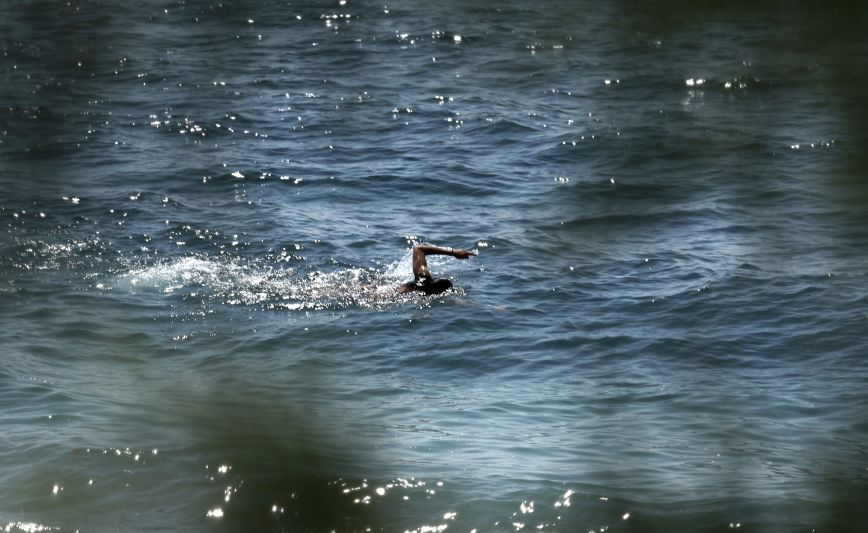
pixel 435 286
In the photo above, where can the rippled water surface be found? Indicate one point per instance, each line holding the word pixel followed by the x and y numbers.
pixel 206 208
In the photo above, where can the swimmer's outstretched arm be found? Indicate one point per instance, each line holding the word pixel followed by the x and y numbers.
pixel 420 264
pixel 428 249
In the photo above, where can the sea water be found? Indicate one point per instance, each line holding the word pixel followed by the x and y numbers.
pixel 206 207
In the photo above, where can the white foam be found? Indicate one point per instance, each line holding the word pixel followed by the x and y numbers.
pixel 232 282
pixel 181 273
pixel 402 268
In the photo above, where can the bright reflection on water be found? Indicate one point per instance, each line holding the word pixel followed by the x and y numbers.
pixel 27 527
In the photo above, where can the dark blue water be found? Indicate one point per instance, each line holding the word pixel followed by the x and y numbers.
pixel 206 207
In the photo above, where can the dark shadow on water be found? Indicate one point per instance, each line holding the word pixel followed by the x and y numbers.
pixel 287 469
pixel 55 62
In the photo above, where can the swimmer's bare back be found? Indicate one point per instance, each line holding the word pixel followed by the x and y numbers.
pixel 423 280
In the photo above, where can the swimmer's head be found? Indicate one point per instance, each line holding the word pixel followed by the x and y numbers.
pixel 436 286
pixel 427 285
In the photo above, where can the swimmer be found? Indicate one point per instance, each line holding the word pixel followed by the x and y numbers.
pixel 424 281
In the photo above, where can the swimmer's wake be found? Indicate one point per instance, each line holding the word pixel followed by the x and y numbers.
pixel 234 282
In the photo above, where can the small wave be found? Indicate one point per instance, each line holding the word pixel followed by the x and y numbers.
pixel 507 127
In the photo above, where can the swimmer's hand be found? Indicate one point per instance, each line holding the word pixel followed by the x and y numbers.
pixel 462 254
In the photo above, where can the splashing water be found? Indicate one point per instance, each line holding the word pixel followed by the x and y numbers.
pixel 235 282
